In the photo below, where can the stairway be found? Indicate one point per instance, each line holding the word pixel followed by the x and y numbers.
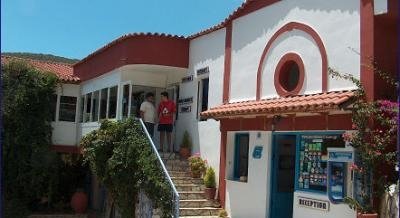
pixel 191 191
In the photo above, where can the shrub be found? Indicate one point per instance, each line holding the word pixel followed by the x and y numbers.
pixel 209 178
pixel 222 213
pixel 197 165
pixel 186 141
pixel 122 158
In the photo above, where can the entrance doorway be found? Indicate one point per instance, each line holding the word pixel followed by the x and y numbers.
pixel 283 175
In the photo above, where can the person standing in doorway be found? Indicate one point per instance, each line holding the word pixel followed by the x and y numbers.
pixel 166 112
pixel 148 113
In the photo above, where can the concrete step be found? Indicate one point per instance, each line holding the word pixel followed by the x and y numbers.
pixel 186 180
pixel 179 174
pixel 175 162
pixel 199 203
pixel 206 211
pixel 177 167
pixel 189 187
pixel 191 195
pixel 169 155
pixel 198 216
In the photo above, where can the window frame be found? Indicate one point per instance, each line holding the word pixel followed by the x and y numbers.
pixel 120 98
pixel 281 70
pixel 100 101
pixel 59 108
pixel 93 107
pixel 200 91
pixel 236 156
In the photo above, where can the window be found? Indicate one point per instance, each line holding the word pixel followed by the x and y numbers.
pixel 241 160
pixel 313 156
pixel 67 109
pixel 53 105
pixel 95 106
pixel 82 109
pixel 125 101
pixel 203 95
pixel 88 107
pixel 289 75
pixel 103 103
pixel 112 110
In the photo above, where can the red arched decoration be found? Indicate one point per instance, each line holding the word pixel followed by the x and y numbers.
pixel 279 70
pixel 307 29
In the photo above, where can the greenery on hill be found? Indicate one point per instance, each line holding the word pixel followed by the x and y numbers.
pixel 41 57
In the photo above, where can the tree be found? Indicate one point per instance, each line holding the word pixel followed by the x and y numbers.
pixel 29 165
pixel 374 140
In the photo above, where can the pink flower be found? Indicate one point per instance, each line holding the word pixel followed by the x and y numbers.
pixel 347 137
pixel 354 167
pixel 353 126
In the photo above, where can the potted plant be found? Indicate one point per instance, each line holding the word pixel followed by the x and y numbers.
pixel 209 182
pixel 373 138
pixel 222 213
pixel 197 165
pixel 79 201
pixel 186 146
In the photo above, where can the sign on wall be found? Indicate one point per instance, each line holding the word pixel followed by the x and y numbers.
pixel 187 79
pixel 257 152
pixel 313 203
pixel 202 71
pixel 186 109
pixel 185 100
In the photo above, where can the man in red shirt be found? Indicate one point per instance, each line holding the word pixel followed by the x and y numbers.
pixel 166 111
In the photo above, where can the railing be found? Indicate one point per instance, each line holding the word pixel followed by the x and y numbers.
pixel 175 194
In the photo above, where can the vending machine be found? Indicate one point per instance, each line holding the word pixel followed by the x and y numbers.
pixel 340 176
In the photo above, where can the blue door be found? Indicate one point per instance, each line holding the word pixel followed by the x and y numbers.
pixel 283 176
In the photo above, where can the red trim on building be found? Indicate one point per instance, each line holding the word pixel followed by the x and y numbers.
pixel 71 149
pixel 281 69
pixel 151 49
pixel 367 47
pixel 227 64
pixel 286 28
pixel 222 168
pixel 289 123
pixel 386 52
pixel 247 7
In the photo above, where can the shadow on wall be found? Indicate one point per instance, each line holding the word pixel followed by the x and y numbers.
pixel 285 9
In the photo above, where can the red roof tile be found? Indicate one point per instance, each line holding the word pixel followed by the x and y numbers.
pixel 296 104
pixel 63 71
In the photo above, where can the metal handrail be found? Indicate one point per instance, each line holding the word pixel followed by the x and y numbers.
pixel 175 192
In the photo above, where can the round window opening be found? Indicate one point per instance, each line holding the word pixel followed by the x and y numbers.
pixel 289 76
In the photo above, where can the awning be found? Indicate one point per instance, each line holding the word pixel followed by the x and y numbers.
pixel 322 102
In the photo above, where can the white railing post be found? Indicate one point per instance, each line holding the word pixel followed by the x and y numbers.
pixel 175 192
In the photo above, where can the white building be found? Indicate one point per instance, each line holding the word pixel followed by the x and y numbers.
pixel 254 94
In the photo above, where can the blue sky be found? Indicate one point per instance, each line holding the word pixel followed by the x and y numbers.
pixel 75 28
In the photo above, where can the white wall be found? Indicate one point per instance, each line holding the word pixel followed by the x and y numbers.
pixel 335 210
pixel 152 79
pixel 337 24
pixel 205 51
pixel 251 198
pixel 110 79
pixel 65 133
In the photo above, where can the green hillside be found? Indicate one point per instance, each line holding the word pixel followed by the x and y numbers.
pixel 42 57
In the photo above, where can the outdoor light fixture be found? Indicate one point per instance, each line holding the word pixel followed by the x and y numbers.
pixel 275 120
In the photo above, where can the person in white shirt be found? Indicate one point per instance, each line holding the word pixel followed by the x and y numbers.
pixel 148 113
